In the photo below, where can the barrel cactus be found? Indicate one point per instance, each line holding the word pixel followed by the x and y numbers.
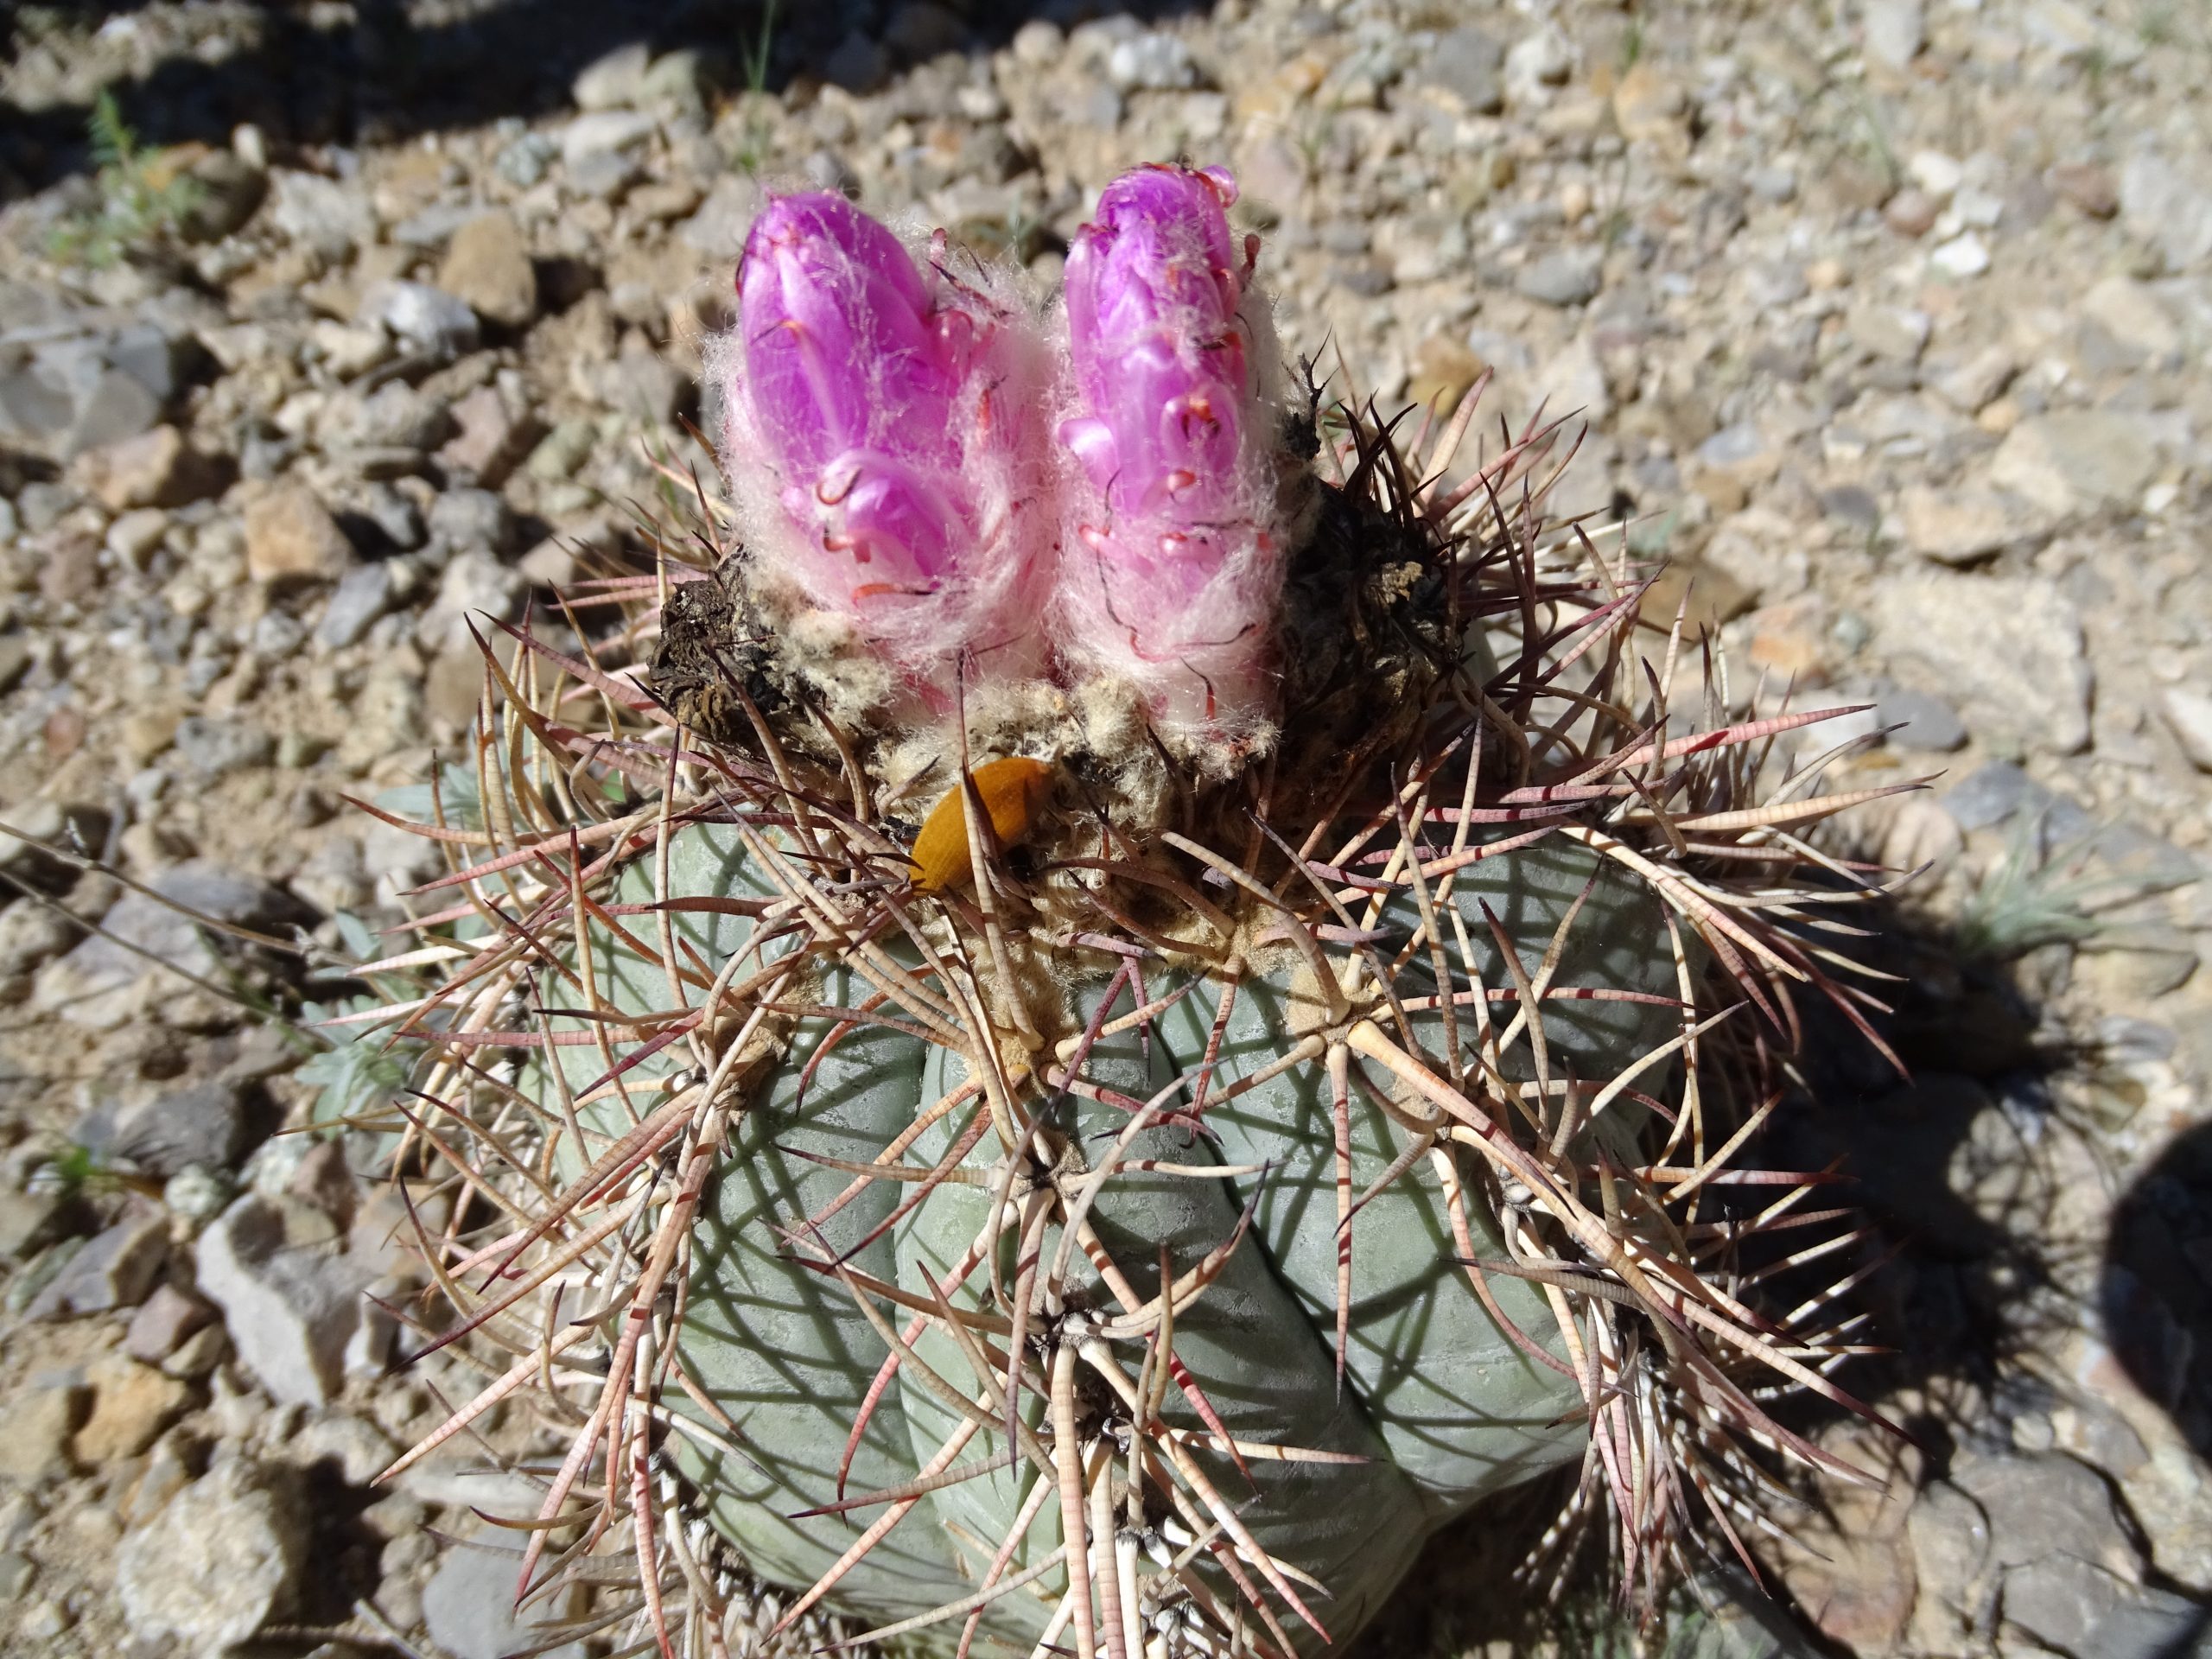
pixel 1107 1004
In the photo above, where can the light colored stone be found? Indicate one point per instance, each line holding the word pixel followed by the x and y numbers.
pixel 291 536
pixel 155 469
pixel 1893 31
pixel 615 81
pixel 1965 255
pixel 131 1405
pixel 2164 203
pixel 113 1271
pixel 35 1429
pixel 2073 460
pixel 469 1607
pixel 2134 319
pixel 1968 522
pixel 2188 714
pixel 488 265
pixel 220 1560
pixel 2009 649
pixel 290 1310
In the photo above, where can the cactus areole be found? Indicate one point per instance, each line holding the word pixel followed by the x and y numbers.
pixel 1150 997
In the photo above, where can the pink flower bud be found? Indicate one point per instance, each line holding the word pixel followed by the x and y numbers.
pixel 1172 540
pixel 883 434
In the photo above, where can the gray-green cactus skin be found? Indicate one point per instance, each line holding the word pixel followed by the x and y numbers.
pixel 1441 1405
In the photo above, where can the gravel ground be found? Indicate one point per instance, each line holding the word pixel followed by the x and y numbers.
pixel 1889 321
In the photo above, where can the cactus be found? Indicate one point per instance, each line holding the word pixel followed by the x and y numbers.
pixel 1113 1149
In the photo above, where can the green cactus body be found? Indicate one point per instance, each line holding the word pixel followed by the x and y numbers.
pixel 1439 1406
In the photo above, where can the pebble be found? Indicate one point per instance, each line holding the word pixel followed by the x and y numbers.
pixel 215 746
pixel 219 1562
pixel 428 319
pixel 2165 204
pixel 35 1424
pixel 491 440
pixel 202 1123
pixel 290 1312
pixel 1467 62
pixel 114 1269
pixel 1893 31
pixel 362 595
pixel 1564 276
pixel 163 1322
pixel 469 1606
pixel 131 1405
pixel 158 469
pixel 487 266
pixel 1152 61
pixel 2188 716
pixel 291 536
pixel 2072 461
pixel 1965 255
pixel 2010 648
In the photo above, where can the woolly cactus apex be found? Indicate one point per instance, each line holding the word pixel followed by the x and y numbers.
pixel 1172 540
pixel 882 436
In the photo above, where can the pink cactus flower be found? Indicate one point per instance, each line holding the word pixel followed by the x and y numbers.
pixel 884 435
pixel 1172 540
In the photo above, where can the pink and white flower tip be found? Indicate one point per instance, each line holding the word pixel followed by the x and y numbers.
pixel 885 435
pixel 1172 537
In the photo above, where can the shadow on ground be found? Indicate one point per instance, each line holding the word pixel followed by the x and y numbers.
pixel 399 69
pixel 1960 1279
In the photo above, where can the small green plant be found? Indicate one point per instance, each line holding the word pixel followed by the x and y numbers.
pixel 144 197
pixel 2039 895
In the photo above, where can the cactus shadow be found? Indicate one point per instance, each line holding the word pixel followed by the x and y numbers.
pixel 383 75
pixel 2155 1290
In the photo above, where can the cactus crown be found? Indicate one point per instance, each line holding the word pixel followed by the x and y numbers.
pixel 1065 825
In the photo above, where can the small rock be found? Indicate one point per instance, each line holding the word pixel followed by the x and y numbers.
pixel 2134 320
pixel 362 595
pixel 475 581
pixel 439 324
pixel 155 469
pixel 161 1324
pixel 1649 108
pixel 615 81
pixel 131 1405
pixel 1924 722
pixel 35 1429
pixel 1963 525
pixel 2090 188
pixel 2069 1605
pixel 488 265
pixel 1911 213
pixel 1151 62
pixel 201 1123
pixel 1971 385
pixel 1993 792
pixel 1963 256
pixel 134 535
pixel 220 1560
pixel 1893 31
pixel 1536 63
pixel 215 746
pixel 2010 648
pixel 2188 714
pixel 636 383
pixel 1466 62
pixel 2166 206
pixel 2073 460
pixel 290 1312
pixel 1564 276
pixel 719 227
pixel 358 1449
pixel 469 1608
pixel 291 536
pixel 1891 332
pixel 115 1269
pixel 472 518
pixel 491 441
pixel 609 133
pixel 333 217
